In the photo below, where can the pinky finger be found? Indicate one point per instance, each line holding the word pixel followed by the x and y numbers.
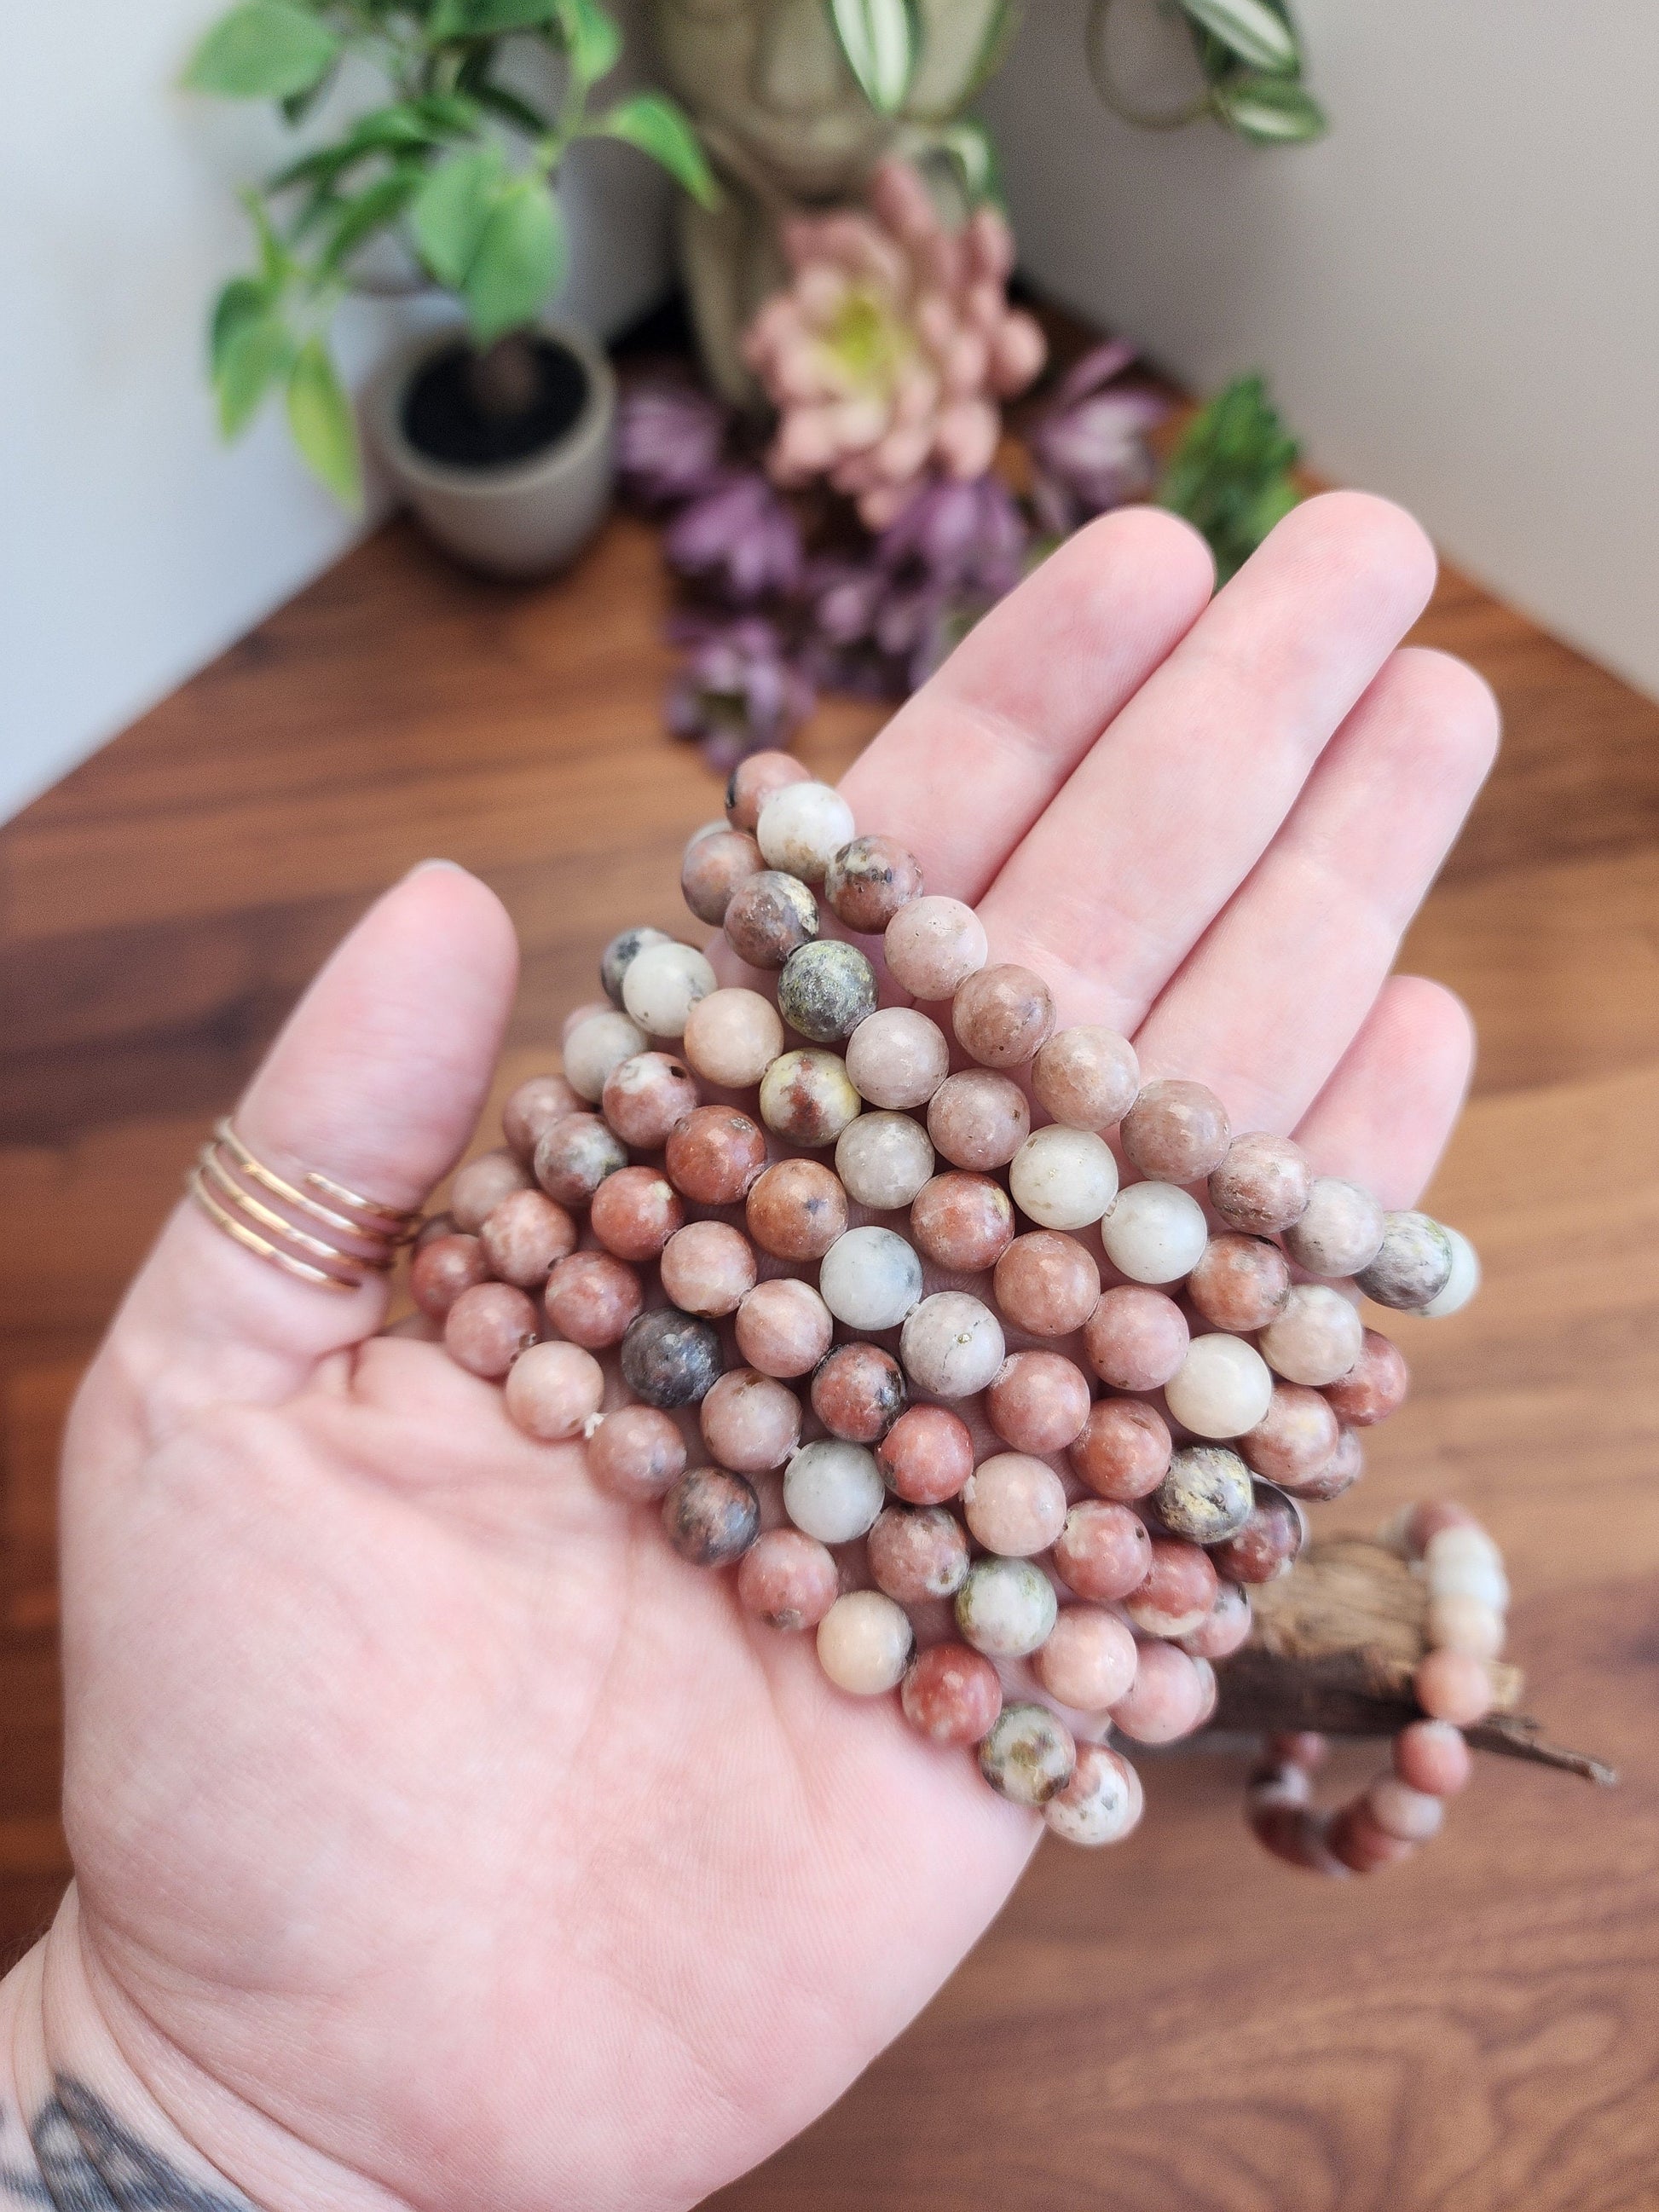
pixel 1384 1116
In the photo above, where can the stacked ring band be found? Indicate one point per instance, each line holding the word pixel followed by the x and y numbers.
pixel 341 1238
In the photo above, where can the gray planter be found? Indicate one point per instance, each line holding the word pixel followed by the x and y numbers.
pixel 518 518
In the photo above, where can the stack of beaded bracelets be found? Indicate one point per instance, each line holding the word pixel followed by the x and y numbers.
pixel 1164 1513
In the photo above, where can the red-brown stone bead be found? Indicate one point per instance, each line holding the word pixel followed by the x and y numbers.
pixel 858 1392
pixel 1267 1546
pixel 591 1298
pixel 1038 1402
pixel 531 1111
pixel 1295 1437
pixel 1240 1283
pixel 646 1095
pixel 787 1580
pixel 487 1326
pixel 713 867
pixel 707 1268
pixel 1123 1453
pixel 797 1209
pixel 1135 1337
pixel 1375 1386
pixel 1047 1283
pixel 1263 1184
pixel 927 1456
pixel 769 917
pixel 962 1221
pixel 978 1119
pixel 1003 1015
pixel 715 1155
pixel 574 1157
pixel 442 1269
pixel 1176 1131
pixel 951 1694
pixel 784 1327
pixel 636 1454
pixel 1104 1551
pixel 636 1211
pixel 526 1237
pixel 868 881
pixel 711 1517
pixel 1341 1471
pixel 917 1552
pixel 1179 1590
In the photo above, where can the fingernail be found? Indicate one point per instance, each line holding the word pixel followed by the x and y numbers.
pixel 424 867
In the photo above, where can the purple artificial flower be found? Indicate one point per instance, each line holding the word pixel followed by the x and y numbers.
pixel 1088 449
pixel 739 538
pixel 669 440
pixel 738 691
pixel 958 537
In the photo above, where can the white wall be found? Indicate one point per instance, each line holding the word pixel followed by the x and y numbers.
pixel 1456 294
pixel 133 546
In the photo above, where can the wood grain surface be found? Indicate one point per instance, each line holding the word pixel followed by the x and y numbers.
pixel 1179 2024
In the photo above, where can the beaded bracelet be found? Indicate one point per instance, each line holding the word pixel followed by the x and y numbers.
pixel 1111 1588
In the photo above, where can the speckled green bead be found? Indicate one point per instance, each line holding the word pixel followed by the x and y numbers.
pixel 1206 1495
pixel 1413 1267
pixel 826 989
pixel 1028 1755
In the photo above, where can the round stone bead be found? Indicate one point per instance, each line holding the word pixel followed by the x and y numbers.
pixel 671 1358
pixel 917 1552
pixel 1240 1282
pixel 715 1156
pixel 898 1058
pixel 1166 1700
pixel 784 1327
pixel 594 1047
pixel 1179 1590
pixel 1412 1816
pixel 932 945
pixel 1015 1504
pixel 964 1222
pixel 770 916
pixel 1135 1339
pixel 1047 1283
pixel 636 1454
pixel 1413 1266
pixel 1028 1755
pixel 1263 1184
pixel 571 1022
pixel 1063 1178
pixel 826 989
pixel 731 1037
pixel 754 780
pixel 1461 1560
pixel 435 1226
pixel 1006 1608
pixel 1354 1840
pixel 787 1580
pixel 488 1328
pixel 1464 1624
pixel 711 1517
pixel 749 1422
pixel 1462 1284
pixel 1224 1629
pixel 1003 1015
pixel 574 1157
pixel 619 956
pixel 646 1095
pixel 858 1392
pixel 796 1210
pixel 1206 1495
pixel 1450 1685
pixel 708 1268
pixel 831 1489
pixel 524 1236
pixel 927 1456
pixel 1104 1551
pixel 538 1102
pixel 1432 1756
pixel 662 985
pixel 952 1344
pixel 870 1279
pixel 1221 1389
pixel 481 1185
pixel 634 1212
pixel 802 827
pixel 553 1391
pixel 1341 1471
pixel 865 1643
pixel 1373 1387
pixel 1176 1131
pixel 951 1694
pixel 1341 1230
pixel 1103 1801
pixel 978 1119
pixel 441 1270
pixel 711 829
pixel 713 867
pixel 1086 1078
pixel 592 1298
pixel 1123 1452
pixel 1038 1401
pixel 1267 1543
pixel 1155 1233
pixel 1316 1339
pixel 807 1098
pixel 884 1160
pixel 1089 1661
pixel 868 881
pixel 1294 1438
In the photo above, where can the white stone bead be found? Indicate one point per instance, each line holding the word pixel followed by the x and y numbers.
pixel 1316 1339
pixel 1101 1803
pixel 1221 1389
pixel 952 1344
pixel 1063 1178
pixel 833 1491
pixel 1457 1622
pixel 1471 1569
pixel 865 1641
pixel 801 829
pixel 869 1278
pixel 1155 1232
pixel 1412 1815
pixel 897 1057
pixel 662 985
pixel 1463 1281
pixel 1461 1544
pixel 883 1160
pixel 1006 1607
pixel 594 1047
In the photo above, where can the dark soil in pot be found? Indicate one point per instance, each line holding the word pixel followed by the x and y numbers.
pixel 443 417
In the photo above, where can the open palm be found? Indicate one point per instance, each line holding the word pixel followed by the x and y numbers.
pixel 441 1838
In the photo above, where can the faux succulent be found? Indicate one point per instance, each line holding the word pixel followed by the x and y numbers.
pixel 1231 474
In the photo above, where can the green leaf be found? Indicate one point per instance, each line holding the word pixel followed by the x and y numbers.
pixel 450 211
pixel 373 210
pixel 509 107
pixel 429 121
pixel 1272 109
pixel 880 39
pixel 592 38
pixel 1256 32
pixel 242 301
pixel 971 147
pixel 264 49
pixel 1231 474
pixel 658 127
pixel 319 415
pixel 518 262
pixel 255 353
pixel 484 19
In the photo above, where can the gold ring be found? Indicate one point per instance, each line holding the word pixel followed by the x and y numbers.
pixel 220 1183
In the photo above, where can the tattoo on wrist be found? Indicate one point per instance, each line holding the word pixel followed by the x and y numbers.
pixel 88 2161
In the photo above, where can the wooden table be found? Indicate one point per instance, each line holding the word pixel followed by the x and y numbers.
pixel 1178 2024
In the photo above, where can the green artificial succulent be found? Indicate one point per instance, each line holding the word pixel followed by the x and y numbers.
pixel 1231 474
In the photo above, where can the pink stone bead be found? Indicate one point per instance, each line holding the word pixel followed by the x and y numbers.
pixel 1047 1283
pixel 1303 1748
pixel 1089 1660
pixel 1086 1078
pixel 1166 1699
pixel 711 1517
pixel 1295 1438
pixel 526 1236
pixel 1316 1337
pixel 442 1269
pixel 646 1096
pixel 1262 1185
pixel 784 1327
pixel 787 1580
pixel 951 1694
pixel 932 945
pixel 1375 1386
pixel 917 1552
pixel 1450 1685
pixel 553 1390
pixel 1341 1471
pixel 1176 1131
pixel 636 1454
pixel 754 780
pixel 715 1155
pixel 481 1184
pixel 898 1058
pixel 1413 1815
pixel 1341 1230
pixel 1015 1504
pixel 634 1212
pixel 435 1226
pixel 574 1157
pixel 927 1456
pixel 1101 1804
pixel 1428 1519
pixel 1123 1452
pixel 1432 1756
pixel 1358 1843
pixel 591 1298
pixel 487 1326
pixel 769 916
pixel 963 1222
pixel 707 1268
pixel 1224 1629
pixel 869 880
pixel 713 867
pixel 858 1392
pixel 533 1108
pixel 1003 1015
pixel 749 1422
pixel 978 1119
pixel 1241 1283
pixel 1179 1591
pixel 1267 1546
pixel 797 1209
pixel 1135 1337
pixel 731 1037
pixel 1038 1402
pixel 866 1643
pixel 1104 1551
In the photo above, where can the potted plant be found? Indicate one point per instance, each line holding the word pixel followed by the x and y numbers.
pixel 498 431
